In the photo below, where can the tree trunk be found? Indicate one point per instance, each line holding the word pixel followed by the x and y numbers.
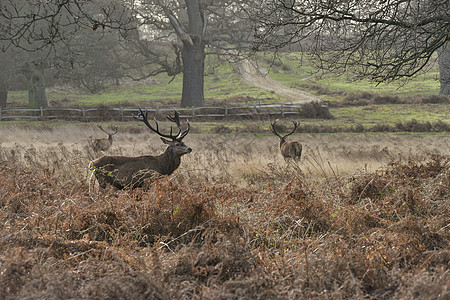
pixel 3 94
pixel 37 96
pixel 444 68
pixel 193 57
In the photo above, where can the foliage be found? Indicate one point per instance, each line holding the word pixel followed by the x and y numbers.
pixel 277 232
pixel 385 42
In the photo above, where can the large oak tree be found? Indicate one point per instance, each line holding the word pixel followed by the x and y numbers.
pixel 190 29
pixel 383 40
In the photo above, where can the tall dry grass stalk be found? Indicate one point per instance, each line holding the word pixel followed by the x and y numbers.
pixel 231 157
pixel 359 217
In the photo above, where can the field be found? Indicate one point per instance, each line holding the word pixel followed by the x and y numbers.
pixel 351 103
pixel 362 216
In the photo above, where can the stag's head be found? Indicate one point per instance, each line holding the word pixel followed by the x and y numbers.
pixel 110 134
pixel 283 138
pixel 174 141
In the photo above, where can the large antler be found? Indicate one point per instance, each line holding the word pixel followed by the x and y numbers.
pixel 101 128
pixel 176 119
pixel 296 124
pixel 274 130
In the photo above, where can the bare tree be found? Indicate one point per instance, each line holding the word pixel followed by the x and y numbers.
pixel 3 93
pixel 13 73
pixel 6 75
pixel 381 40
pixel 131 172
pixel 289 150
pixel 192 29
pixel 92 60
pixel 188 29
pixel 34 72
pixel 103 144
pixel 41 25
pixel 37 31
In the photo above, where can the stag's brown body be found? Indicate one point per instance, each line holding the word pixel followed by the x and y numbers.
pixel 132 172
pixel 289 150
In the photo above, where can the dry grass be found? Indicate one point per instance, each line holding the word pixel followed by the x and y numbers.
pixel 361 216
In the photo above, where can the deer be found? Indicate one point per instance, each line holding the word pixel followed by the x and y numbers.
pixel 290 150
pixel 102 144
pixel 131 172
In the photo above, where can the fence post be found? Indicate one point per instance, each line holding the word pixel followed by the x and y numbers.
pixel 193 112
pixel 282 110
pixel 226 109
pixel 121 113
pixel 83 113
pixel 42 112
pixel 0 113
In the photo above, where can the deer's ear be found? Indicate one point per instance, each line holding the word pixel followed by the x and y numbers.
pixel 167 142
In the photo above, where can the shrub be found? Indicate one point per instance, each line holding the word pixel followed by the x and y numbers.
pixel 440 126
pixel 372 186
pixel 283 235
pixel 413 168
pixel 298 201
pixel 364 98
pixel 221 129
pixel 254 128
pixel 436 99
pixel 316 110
pixel 381 128
pixel 359 128
pixel 386 100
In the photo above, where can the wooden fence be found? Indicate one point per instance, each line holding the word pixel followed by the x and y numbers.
pixel 229 110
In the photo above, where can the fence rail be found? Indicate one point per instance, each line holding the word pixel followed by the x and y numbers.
pixel 229 110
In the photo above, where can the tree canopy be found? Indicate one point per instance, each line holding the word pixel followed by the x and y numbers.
pixel 382 40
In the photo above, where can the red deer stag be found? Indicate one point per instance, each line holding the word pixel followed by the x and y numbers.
pixel 131 172
pixel 103 144
pixel 289 150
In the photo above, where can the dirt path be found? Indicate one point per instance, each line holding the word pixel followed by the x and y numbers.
pixel 254 75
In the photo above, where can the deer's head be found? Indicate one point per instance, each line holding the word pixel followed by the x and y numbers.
pixel 110 135
pixel 174 141
pixel 283 138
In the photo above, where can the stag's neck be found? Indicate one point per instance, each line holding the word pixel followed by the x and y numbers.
pixel 282 141
pixel 169 161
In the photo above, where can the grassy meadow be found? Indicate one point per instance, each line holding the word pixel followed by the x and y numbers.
pixel 363 214
pixel 351 102
pixel 220 85
pixel 296 70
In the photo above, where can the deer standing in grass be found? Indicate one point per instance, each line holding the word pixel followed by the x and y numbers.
pixel 103 144
pixel 131 172
pixel 289 150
